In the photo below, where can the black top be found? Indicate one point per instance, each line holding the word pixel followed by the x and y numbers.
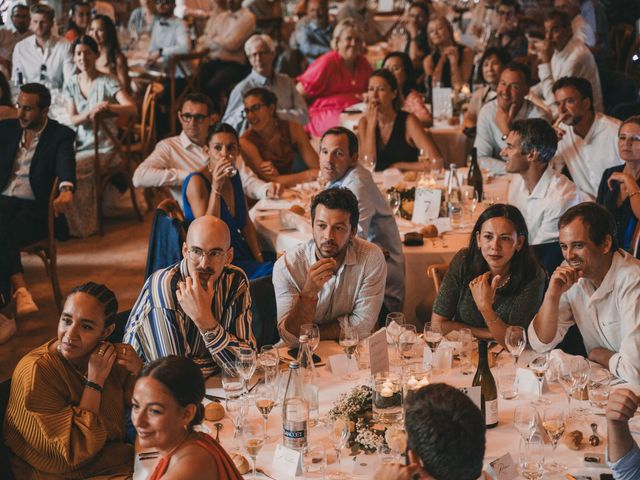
pixel 625 219
pixel 445 78
pixel 397 149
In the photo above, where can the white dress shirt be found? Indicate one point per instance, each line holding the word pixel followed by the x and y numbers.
pixel 19 185
pixel 583 31
pixel 607 317
pixel 353 295
pixel 56 56
pixel 489 140
pixel 172 36
pixel 587 158
pixel 226 34
pixel 574 60
pixel 542 208
pixel 176 157
pixel 9 37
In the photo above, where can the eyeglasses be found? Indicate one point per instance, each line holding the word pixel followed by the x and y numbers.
pixel 196 254
pixel 254 108
pixel 187 117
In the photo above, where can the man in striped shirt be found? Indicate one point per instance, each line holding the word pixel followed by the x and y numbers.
pixel 199 307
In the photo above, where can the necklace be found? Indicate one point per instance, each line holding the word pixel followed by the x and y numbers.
pixel 73 367
pixel 504 281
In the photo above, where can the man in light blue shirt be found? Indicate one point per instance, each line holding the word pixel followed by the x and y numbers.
pixel 169 35
pixel 623 454
pixel 339 165
pixel 313 32
pixel 261 52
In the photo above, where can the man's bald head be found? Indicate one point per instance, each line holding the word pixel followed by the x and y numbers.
pixel 207 248
pixel 206 228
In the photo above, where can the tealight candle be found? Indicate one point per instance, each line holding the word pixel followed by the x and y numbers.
pixel 423 382
pixel 386 391
pixel 412 382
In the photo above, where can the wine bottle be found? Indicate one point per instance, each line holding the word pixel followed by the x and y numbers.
pixel 474 177
pixel 488 391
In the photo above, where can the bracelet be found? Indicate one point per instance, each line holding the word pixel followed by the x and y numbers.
pixel 631 195
pixel 93 385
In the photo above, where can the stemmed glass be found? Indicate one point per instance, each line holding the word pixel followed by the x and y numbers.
pixel 471 200
pixel 580 376
pixel 252 440
pixel 339 434
pixel 407 341
pixel 432 336
pixel 237 408
pixel 395 325
pixel 524 419
pixel 515 339
pixel 269 359
pixel 538 365
pixel 423 158
pixel 349 343
pixel 265 400
pixel 312 331
pixel 393 196
pixel 531 460
pixel 368 162
pixel 554 422
pixel 246 364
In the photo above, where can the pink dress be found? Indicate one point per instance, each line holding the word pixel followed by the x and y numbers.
pixel 333 87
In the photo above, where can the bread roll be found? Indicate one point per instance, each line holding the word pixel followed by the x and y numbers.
pixel 297 209
pixel 214 412
pixel 241 462
pixel 429 231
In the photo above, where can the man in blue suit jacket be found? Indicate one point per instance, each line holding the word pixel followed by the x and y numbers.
pixel 34 150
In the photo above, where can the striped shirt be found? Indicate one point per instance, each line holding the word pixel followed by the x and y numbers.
pixel 158 327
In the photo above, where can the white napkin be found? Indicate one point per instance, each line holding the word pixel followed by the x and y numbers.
pixel 292 219
pixel 273 204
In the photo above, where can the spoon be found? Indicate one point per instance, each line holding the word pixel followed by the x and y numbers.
pixel 219 427
pixel 594 440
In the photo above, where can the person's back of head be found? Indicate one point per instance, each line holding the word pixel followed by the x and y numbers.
pixel 446 431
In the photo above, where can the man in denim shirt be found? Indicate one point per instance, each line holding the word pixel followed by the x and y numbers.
pixel 623 454
pixel 313 33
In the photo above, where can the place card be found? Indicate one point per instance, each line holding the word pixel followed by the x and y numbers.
pixel 474 393
pixel 341 365
pixel 286 463
pixel 528 382
pixel 504 468
pixel 426 206
pixel 378 352
pixel 427 357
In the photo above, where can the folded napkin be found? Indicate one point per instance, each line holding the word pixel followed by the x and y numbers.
pixel 273 204
pixel 290 219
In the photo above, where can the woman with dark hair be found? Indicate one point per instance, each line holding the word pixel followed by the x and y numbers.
pixel 111 60
pixel 7 107
pixel 166 405
pixel 270 145
pixel 400 64
pixel 217 190
pixel 619 190
pixel 495 282
pixel 79 17
pixel 392 137
pixel 449 64
pixel 66 413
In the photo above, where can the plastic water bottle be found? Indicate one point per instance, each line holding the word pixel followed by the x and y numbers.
pixel 295 410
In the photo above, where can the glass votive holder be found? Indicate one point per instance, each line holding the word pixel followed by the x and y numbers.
pixel 387 397
pixel 415 377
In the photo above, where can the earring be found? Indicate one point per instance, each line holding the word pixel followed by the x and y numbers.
pixel 59 348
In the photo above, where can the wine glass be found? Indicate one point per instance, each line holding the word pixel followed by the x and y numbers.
pixel 524 419
pixel 396 438
pixel 437 167
pixel 598 387
pixel 531 461
pixel 515 339
pixel 470 200
pixel 269 359
pixel 423 158
pixel 407 341
pixel 538 365
pixel 312 331
pixel 393 196
pixel 339 434
pixel 580 375
pixel 265 400
pixel 252 440
pixel 395 324
pixel 369 162
pixel 554 422
pixel 237 408
pixel 245 364
pixel 432 335
pixel 565 379
pixel 349 343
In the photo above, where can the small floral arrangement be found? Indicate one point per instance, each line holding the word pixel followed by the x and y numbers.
pixel 357 406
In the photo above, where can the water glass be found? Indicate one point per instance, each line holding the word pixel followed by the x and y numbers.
pixel 444 358
pixel 465 337
pixel 507 382
pixel 232 383
pixel 407 341
pixel 598 387
pixel 269 360
pixel 362 354
pixel 531 458
pixel 314 461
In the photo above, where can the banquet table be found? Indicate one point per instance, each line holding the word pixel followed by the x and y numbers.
pixel 500 440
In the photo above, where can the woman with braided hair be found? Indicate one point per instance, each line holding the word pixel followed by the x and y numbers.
pixel 66 412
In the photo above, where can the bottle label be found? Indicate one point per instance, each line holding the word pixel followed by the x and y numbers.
pixel 295 434
pixel 491 412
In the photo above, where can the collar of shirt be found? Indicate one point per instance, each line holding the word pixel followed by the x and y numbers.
pixel 340 181
pixel 49 44
pixel 350 257
pixel 187 144
pixel 165 22
pixel 541 188
pixel 29 136
pixel 608 283
pixel 261 79
pixel 316 28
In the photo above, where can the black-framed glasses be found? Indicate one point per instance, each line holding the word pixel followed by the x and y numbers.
pixel 254 108
pixel 198 117
pixel 196 254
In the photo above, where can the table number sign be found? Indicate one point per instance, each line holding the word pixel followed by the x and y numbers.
pixel 426 206
pixel 378 352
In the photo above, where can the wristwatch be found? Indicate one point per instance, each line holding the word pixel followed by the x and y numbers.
pixel 66 188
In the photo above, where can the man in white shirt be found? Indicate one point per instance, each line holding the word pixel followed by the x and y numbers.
pixel 496 116
pixel 291 106
pixel 563 55
pixel 169 35
pixel 176 157
pixel 42 58
pixel 539 192
pixel 335 280
pixel 588 141
pixel 596 289
pixel 579 25
pixel 10 35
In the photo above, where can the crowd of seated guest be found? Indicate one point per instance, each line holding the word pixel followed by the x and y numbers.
pixel 399 63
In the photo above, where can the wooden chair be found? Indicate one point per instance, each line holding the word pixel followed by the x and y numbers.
pixel 121 141
pixel 145 131
pixel 47 250
pixel 621 40
pixel 271 26
pixel 436 273
pixel 189 65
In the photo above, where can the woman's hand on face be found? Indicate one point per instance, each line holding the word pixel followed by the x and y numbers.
pixel 100 363
pixel 128 358
pixel 373 107
pixel 220 172
pixel 452 53
pixel 484 292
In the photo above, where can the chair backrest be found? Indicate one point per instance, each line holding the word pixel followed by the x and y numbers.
pixel 166 237
pixel 621 40
pixel 271 26
pixel 51 218
pixel 436 273
pixel 148 117
pixel 264 312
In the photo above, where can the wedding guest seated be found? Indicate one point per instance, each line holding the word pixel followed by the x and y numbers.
pixel 416 24
pixel 272 146
pixel 563 55
pixel 34 150
pixel 217 190
pixel 623 454
pixel 540 193
pixel 176 157
pixel 619 191
pixel 10 35
pixel 199 308
pixel 313 31
pixel 495 282
pixel 91 93
pixel 141 19
pixel 169 36
pixel 42 57
pixel 411 101
pixel 334 280
pixel 496 117
pixel 449 64
pixel 508 34
pixel 111 60
pixel 339 166
pixel 166 406
pixel 392 137
pixel 493 62
pixel 596 289
pixel 445 437
pixel 581 29
pixel 588 142
pixel 361 15
pixel 79 18
pixel 334 81
pixel 69 397
pixel 261 52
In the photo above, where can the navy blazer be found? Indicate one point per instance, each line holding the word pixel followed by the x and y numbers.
pixel 54 157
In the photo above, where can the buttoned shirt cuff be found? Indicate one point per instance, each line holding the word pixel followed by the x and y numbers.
pixel 215 339
pixel 614 361
pixel 535 342
pixel 626 465
pixel 65 184
pixel 544 70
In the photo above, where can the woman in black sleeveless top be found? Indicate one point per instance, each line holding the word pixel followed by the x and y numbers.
pixel 387 134
pixel 449 63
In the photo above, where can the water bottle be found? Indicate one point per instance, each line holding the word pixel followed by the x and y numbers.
pixel 309 377
pixel 295 410
pixel 454 199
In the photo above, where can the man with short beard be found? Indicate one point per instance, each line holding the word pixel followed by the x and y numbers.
pixel 596 288
pixel 335 280
pixel 199 308
pixel 11 35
